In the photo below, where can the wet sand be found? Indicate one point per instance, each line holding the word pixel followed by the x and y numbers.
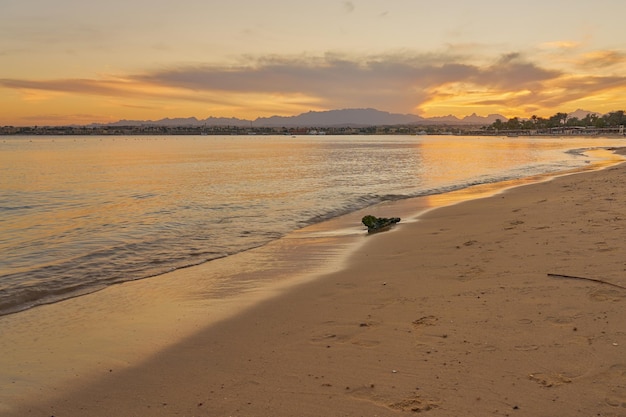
pixel 455 314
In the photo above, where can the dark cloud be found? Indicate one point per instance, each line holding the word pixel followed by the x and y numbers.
pixel 287 75
pixel 511 72
pixel 399 79
pixel 323 76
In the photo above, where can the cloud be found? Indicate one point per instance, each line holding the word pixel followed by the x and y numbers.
pixel 60 119
pixel 558 92
pixel 602 59
pixel 313 75
pixel 84 86
pixel 400 82
pixel 335 80
pixel 115 88
pixel 512 72
pixel 348 6
pixel 564 45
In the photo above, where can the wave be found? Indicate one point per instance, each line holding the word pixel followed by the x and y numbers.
pixel 185 225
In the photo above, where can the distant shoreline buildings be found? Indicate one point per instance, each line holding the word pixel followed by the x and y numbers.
pixel 228 130
pixel 155 130
pixel 351 122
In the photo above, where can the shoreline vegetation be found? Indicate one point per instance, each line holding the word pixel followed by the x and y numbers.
pixel 561 124
pixel 592 123
pixel 313 131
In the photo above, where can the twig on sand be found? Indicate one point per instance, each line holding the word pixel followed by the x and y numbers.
pixel 586 279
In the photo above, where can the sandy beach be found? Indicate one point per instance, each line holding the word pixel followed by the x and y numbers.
pixel 512 305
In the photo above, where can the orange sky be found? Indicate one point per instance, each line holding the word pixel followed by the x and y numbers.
pixel 71 61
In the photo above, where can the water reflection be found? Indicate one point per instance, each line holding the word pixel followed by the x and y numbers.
pixel 93 211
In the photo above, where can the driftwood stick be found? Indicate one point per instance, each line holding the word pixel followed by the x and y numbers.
pixel 586 279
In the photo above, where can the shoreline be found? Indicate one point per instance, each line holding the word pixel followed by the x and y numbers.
pixel 351 314
pixel 406 206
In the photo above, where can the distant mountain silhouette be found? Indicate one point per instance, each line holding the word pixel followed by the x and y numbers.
pixel 476 119
pixel 330 118
pixel 581 114
pixel 188 121
pixel 339 118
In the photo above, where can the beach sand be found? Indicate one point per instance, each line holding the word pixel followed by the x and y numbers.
pixel 453 315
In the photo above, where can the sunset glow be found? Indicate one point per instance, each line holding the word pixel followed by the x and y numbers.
pixel 71 62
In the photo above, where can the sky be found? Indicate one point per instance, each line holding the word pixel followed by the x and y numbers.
pixel 83 61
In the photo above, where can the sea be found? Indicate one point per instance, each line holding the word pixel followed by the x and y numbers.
pixel 81 213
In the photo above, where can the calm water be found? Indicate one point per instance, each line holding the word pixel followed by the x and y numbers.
pixel 81 213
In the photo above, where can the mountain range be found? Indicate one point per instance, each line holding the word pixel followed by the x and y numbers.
pixel 330 118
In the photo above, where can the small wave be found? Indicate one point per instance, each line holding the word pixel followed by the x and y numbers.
pixel 20 299
pixel 151 231
pixel 15 208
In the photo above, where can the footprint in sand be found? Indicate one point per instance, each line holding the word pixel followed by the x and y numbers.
pixel 414 404
pixel 560 320
pixel 488 348
pixel 326 338
pixel 526 348
pixel 425 321
pixel 346 333
pixel 366 343
pixel 549 380
pixel 616 376
pixel 513 224
pixel 616 402
pixel 607 294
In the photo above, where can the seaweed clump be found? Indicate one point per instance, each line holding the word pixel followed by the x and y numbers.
pixel 378 224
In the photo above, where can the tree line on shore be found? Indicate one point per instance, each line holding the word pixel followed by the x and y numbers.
pixel 592 120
